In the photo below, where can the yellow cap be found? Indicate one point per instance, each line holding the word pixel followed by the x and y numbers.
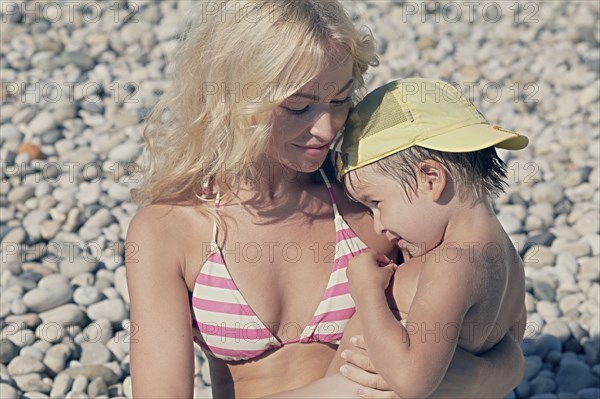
pixel 424 112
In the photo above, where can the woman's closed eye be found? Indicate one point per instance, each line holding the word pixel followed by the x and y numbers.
pixel 306 108
pixel 341 102
pixel 297 111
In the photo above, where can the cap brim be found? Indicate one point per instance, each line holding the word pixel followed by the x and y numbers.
pixel 474 138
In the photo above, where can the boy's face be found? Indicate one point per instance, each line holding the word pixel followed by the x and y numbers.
pixel 416 225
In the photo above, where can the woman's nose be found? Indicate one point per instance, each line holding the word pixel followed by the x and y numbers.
pixel 323 126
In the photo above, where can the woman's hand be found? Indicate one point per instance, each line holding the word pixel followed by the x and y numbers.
pixel 358 368
pixel 493 374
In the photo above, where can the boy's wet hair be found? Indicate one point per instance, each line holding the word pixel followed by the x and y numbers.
pixel 476 175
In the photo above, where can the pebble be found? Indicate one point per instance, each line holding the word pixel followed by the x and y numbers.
pixel 100 219
pixel 32 351
pixel 533 365
pixel 97 387
pixel 510 223
pixel 8 350
pixel 574 375
pixel 64 314
pixel 550 192
pixel 125 152
pixel 80 264
pixel 121 283
pixel 89 193
pixel 542 385
pixel 589 393
pixel 111 309
pixel 41 123
pixel 87 295
pixel 62 385
pixel 21 365
pixel 45 298
pixel 557 328
pixel 548 310
pixel 56 357
pixel 93 371
pixel 8 392
pixel 32 382
pixel 99 331
pixel 94 353
pixel 80 384
pixel 20 194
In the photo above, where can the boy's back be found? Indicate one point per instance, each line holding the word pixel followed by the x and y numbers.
pixel 484 268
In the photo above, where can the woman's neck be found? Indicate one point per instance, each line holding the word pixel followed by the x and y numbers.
pixel 270 185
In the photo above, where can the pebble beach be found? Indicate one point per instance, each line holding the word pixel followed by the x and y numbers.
pixel 78 79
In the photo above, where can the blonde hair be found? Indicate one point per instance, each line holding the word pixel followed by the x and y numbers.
pixel 237 62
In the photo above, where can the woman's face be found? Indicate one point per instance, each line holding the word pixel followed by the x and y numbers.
pixel 307 122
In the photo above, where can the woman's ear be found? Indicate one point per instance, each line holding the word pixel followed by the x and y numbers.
pixel 433 177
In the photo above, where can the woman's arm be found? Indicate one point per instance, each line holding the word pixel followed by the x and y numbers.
pixel 162 355
pixel 491 375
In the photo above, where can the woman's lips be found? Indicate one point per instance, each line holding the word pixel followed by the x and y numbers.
pixel 312 150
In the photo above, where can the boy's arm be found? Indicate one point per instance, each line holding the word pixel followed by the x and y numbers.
pixel 414 361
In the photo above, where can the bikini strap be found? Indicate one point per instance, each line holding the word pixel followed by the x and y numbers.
pixel 330 189
pixel 217 201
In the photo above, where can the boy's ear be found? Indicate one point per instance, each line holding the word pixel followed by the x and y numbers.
pixel 433 177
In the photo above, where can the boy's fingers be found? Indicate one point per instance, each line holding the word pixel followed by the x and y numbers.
pixel 359 359
pixel 364 378
pixel 391 267
pixel 382 260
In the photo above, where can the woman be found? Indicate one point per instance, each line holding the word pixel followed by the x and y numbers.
pixel 242 238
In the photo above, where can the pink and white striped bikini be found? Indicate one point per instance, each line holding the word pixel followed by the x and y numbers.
pixel 226 327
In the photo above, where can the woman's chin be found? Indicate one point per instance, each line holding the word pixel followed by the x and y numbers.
pixel 306 165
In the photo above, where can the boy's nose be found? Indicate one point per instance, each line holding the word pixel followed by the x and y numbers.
pixel 379 229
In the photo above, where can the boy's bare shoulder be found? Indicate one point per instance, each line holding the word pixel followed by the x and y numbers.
pixel 451 262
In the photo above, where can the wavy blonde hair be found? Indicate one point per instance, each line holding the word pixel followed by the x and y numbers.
pixel 237 62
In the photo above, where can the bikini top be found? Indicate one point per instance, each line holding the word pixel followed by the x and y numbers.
pixel 226 327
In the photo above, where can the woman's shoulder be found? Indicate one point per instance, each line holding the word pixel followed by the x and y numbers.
pixel 171 227
pixel 155 220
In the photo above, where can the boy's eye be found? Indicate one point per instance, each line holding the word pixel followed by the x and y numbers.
pixel 375 203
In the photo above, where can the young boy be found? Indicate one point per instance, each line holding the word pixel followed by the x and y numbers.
pixel 422 158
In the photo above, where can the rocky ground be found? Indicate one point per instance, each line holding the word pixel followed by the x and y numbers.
pixel 78 79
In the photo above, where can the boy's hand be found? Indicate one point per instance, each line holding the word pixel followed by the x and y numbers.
pixel 369 271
